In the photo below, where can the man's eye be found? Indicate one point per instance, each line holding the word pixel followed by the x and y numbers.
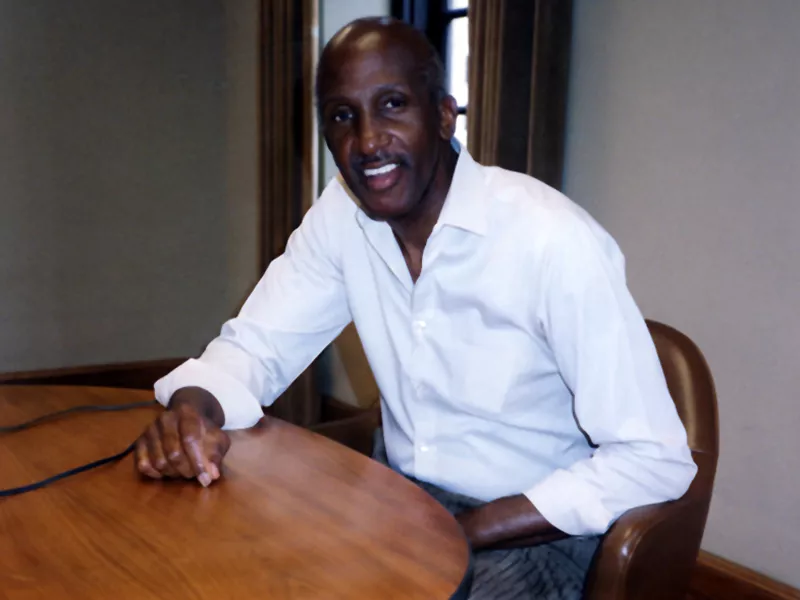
pixel 394 102
pixel 341 116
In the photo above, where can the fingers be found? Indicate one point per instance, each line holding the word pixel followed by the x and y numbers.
pixel 214 461
pixel 173 444
pixel 143 463
pixel 216 448
pixel 155 448
pixel 192 431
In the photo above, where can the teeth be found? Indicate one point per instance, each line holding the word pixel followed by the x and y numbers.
pixel 380 170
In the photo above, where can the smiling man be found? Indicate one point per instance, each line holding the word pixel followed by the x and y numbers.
pixel 519 384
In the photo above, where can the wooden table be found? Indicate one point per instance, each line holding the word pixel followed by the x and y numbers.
pixel 294 516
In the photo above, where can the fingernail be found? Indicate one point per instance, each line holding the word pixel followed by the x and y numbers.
pixel 204 479
pixel 214 471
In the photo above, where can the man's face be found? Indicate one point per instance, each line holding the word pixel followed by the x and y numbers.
pixel 382 126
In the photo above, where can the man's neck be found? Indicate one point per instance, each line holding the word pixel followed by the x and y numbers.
pixel 413 230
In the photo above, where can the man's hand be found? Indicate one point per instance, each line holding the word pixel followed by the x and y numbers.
pixel 506 519
pixel 186 440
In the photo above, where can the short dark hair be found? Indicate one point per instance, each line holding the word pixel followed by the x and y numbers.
pixel 432 72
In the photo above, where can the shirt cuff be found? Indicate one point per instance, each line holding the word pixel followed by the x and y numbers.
pixel 240 407
pixel 570 504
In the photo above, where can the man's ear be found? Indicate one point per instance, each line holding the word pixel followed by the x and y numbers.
pixel 448 113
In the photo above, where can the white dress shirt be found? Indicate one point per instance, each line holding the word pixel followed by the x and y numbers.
pixel 517 363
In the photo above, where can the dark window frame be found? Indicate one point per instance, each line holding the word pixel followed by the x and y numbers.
pixel 432 17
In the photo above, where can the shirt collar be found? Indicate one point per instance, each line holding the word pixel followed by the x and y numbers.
pixel 465 204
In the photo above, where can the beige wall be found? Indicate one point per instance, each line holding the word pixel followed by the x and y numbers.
pixel 127 177
pixel 684 141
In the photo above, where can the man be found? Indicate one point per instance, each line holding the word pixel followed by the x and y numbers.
pixel 519 383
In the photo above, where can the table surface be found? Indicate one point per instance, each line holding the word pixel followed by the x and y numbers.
pixel 294 516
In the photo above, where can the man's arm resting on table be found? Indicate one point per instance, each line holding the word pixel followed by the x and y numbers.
pixel 504 519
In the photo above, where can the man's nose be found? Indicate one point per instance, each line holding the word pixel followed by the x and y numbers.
pixel 371 137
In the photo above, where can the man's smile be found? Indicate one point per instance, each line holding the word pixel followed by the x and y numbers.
pixel 383 177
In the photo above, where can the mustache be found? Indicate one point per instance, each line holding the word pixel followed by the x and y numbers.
pixel 363 161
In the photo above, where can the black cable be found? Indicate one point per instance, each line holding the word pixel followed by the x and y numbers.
pixel 98 463
pixel 40 484
pixel 74 409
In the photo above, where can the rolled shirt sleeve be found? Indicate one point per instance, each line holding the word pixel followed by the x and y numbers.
pixel 607 358
pixel 297 308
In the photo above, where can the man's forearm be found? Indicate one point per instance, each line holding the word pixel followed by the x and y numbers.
pixel 202 401
pixel 507 519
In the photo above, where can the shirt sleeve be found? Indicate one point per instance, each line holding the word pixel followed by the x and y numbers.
pixel 607 358
pixel 297 308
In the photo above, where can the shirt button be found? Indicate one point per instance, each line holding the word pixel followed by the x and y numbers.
pixel 420 325
pixel 424 448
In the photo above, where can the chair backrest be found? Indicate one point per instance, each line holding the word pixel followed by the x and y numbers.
pixel 650 552
pixel 691 385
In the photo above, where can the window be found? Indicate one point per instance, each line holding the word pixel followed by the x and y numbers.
pixel 446 23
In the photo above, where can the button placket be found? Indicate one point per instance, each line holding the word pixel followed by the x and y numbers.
pixel 420 309
pixel 421 321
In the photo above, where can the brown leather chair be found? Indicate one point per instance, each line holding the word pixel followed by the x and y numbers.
pixel 650 552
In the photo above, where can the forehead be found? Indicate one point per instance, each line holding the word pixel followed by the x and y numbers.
pixel 370 61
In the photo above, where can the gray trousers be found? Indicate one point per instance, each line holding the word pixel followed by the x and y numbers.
pixel 554 571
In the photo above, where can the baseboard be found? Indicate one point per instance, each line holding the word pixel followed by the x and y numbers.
pixel 136 375
pixel 718 579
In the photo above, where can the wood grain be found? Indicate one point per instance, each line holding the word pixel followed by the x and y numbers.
pixel 295 516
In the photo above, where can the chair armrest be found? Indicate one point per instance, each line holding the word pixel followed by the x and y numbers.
pixel 650 551
pixel 354 432
pixel 637 546
pixel 632 560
